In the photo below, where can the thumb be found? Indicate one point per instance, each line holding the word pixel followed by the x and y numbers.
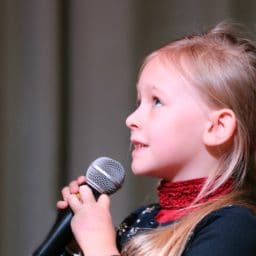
pixel 104 201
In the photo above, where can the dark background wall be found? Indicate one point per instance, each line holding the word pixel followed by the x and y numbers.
pixel 67 82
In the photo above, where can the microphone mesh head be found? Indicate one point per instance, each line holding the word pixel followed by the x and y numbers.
pixel 105 175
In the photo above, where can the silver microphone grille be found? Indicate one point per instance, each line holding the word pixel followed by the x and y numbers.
pixel 105 175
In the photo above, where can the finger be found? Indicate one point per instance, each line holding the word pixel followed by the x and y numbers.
pixel 73 187
pixel 104 201
pixel 74 203
pixel 62 204
pixel 81 180
pixel 86 195
pixel 65 193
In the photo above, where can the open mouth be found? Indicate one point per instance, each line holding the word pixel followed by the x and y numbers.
pixel 138 145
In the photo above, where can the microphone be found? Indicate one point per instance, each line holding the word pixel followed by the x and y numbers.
pixel 103 176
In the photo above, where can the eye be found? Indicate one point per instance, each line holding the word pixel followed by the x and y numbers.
pixel 138 102
pixel 157 101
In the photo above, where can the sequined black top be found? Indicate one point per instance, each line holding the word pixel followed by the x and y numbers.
pixel 229 231
pixel 139 221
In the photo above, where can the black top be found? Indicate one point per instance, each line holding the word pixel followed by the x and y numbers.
pixel 228 231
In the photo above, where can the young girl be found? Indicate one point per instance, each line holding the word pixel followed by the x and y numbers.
pixel 193 128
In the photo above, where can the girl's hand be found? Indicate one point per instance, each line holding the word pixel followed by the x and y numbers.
pixel 72 188
pixel 92 223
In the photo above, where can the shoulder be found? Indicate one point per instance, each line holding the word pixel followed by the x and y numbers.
pixel 227 231
pixel 142 213
pixel 234 216
pixel 138 221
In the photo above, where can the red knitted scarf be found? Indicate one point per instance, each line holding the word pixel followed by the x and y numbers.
pixel 176 197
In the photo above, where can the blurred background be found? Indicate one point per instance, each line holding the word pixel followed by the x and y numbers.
pixel 68 71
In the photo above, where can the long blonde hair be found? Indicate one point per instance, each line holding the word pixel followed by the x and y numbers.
pixel 221 65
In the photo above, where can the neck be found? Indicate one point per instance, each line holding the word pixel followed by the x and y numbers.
pixel 203 162
pixel 176 198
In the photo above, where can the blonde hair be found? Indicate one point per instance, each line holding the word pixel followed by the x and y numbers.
pixel 221 65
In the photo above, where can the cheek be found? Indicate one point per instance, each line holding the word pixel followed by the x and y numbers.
pixel 181 131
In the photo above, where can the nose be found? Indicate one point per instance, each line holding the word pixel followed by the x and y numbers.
pixel 131 121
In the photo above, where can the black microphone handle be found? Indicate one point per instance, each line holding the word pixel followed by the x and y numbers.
pixel 60 235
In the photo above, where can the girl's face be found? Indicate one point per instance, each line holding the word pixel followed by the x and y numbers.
pixel 167 126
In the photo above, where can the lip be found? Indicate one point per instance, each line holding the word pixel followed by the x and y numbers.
pixel 138 141
pixel 137 146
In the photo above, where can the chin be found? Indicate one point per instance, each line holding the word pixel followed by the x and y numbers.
pixel 144 171
pixel 138 171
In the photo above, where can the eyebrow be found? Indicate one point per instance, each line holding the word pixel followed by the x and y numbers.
pixel 150 87
pixel 154 88
pixel 157 89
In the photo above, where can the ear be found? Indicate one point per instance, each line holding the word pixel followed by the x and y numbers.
pixel 220 128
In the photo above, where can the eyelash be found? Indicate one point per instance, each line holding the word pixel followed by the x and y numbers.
pixel 156 101
pixel 138 103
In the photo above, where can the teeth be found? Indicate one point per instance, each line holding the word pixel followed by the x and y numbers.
pixel 138 146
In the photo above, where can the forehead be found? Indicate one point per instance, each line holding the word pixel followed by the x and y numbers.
pixel 157 73
pixel 161 75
